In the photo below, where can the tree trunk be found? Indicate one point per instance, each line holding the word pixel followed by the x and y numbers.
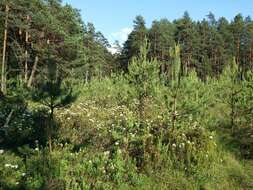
pixel 8 119
pixel 174 110
pixel 26 57
pixel 26 50
pixel 3 74
pixel 50 128
pixel 238 52
pixel 86 77
pixel 216 64
pixel 251 57
pixel 232 113
pixel 33 72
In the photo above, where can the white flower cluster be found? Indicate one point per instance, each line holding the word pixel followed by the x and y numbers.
pixel 11 166
pixel 106 153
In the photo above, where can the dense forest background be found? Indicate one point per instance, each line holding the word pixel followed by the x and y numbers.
pixel 171 109
pixel 36 28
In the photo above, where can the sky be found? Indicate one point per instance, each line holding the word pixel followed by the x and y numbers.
pixel 114 18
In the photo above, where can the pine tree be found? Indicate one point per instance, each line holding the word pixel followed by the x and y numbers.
pixel 229 82
pixel 237 27
pixel 248 45
pixel 175 81
pixel 186 36
pixel 52 93
pixel 161 38
pixel 210 49
pixel 143 75
pixel 134 42
pixel 3 73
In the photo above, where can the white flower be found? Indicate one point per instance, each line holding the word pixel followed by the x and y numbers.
pixel 188 142
pixel 211 137
pixel 1 151
pixel 23 174
pixel 106 153
pixel 7 165
pixel 116 143
pixel 37 149
pixel 174 145
pixel 195 124
pixel 17 183
pixel 14 166
pixel 181 145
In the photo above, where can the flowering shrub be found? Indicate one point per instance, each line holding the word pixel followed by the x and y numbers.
pixel 103 142
pixel 17 122
pixel 191 147
pixel 12 170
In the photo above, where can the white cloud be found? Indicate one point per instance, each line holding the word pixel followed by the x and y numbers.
pixel 113 50
pixel 120 36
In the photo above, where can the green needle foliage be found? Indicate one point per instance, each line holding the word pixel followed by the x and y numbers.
pixel 144 75
pixel 52 93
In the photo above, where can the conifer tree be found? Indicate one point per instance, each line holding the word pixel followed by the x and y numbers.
pixel 3 69
pixel 186 36
pixel 161 38
pixel 229 82
pixel 52 93
pixel 144 75
pixel 134 42
pixel 175 81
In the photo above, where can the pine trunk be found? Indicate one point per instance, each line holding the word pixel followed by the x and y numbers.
pixel 3 74
pixel 33 72
pixel 238 52
pixel 26 48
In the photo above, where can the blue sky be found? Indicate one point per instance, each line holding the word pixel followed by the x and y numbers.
pixel 114 18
